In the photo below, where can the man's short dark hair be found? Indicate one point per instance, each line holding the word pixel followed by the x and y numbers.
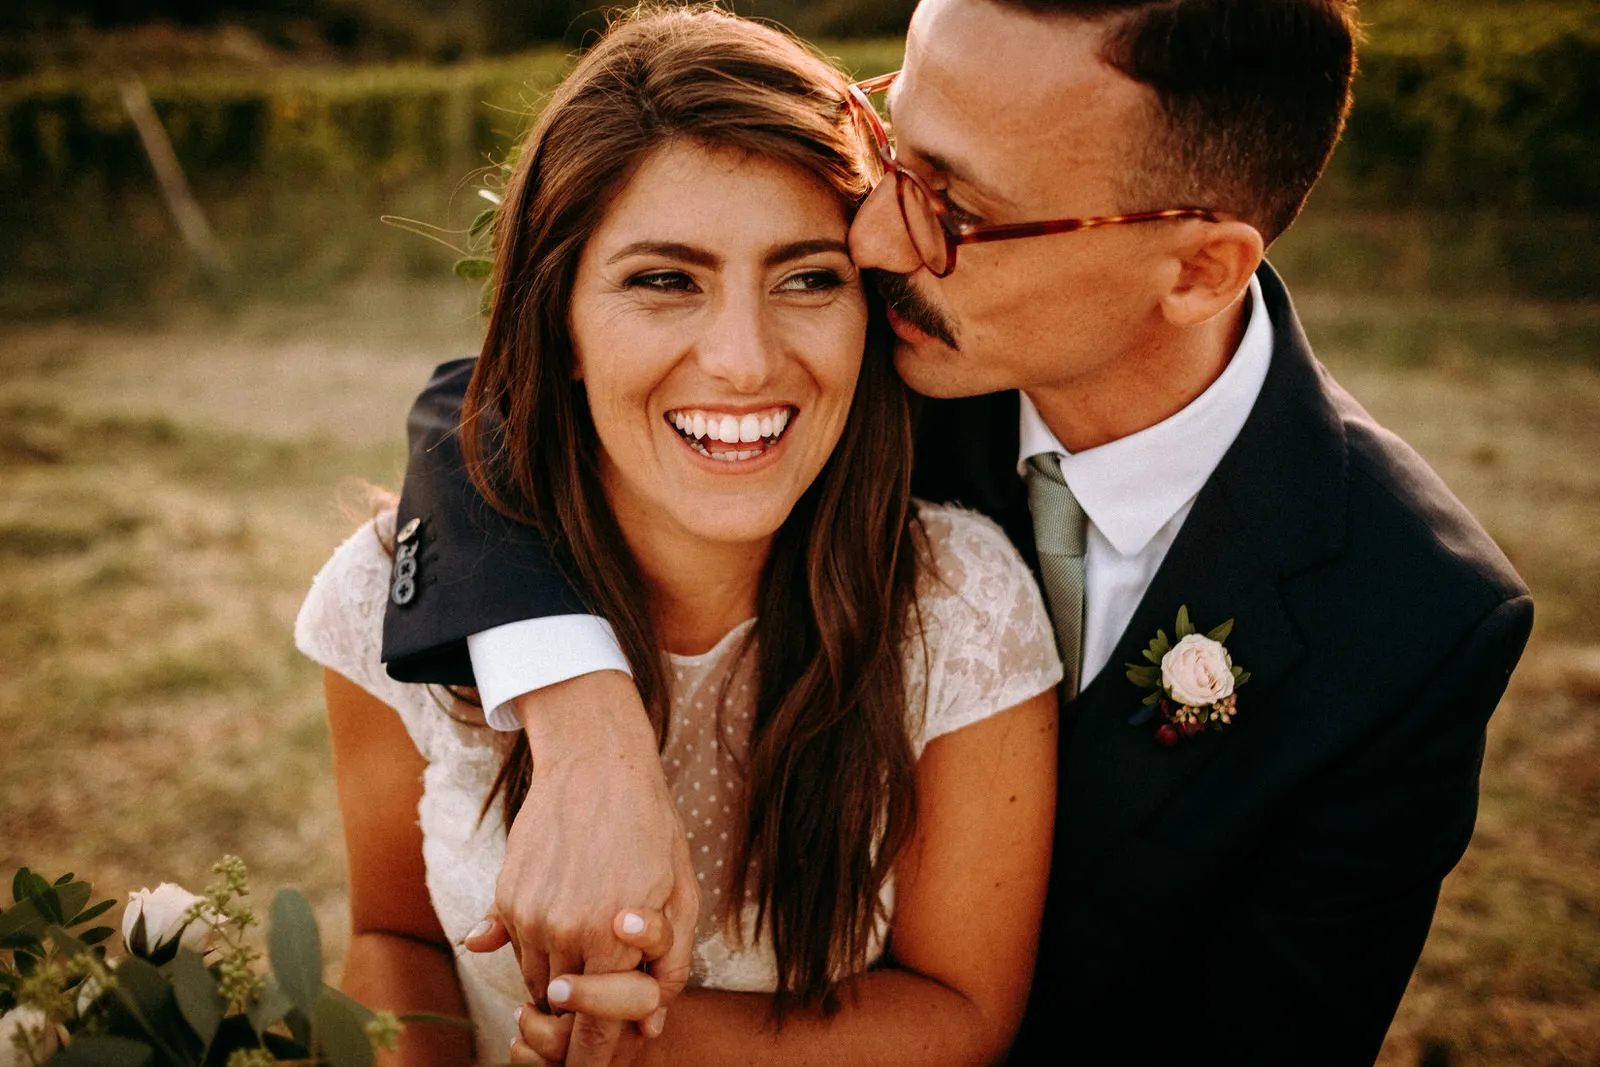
pixel 1252 95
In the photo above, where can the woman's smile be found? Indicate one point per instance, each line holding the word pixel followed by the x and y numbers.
pixel 718 327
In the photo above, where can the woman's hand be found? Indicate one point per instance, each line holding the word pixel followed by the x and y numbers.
pixel 618 996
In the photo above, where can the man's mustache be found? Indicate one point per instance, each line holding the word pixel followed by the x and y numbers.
pixel 902 298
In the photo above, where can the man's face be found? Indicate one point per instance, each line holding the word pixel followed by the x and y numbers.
pixel 1016 119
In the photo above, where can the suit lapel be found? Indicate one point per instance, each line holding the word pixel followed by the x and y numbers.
pixel 1274 506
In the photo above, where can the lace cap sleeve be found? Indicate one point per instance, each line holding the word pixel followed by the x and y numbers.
pixel 340 626
pixel 989 644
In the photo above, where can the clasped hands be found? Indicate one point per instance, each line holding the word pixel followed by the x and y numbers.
pixel 597 896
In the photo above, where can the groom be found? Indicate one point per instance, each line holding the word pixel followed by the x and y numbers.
pixel 1135 402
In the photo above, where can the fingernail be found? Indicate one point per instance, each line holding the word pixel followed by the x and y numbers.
pixel 633 923
pixel 558 991
pixel 520 1009
pixel 658 1022
pixel 482 928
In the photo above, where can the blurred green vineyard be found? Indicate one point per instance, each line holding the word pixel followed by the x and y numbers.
pixel 1483 120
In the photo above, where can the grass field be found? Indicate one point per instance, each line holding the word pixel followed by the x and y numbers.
pixel 167 490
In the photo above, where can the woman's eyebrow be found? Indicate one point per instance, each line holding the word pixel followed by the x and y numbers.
pixel 700 257
pixel 801 249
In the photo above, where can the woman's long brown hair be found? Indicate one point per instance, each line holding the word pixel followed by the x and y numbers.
pixel 829 780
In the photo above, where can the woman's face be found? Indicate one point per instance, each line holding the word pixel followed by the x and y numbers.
pixel 718 325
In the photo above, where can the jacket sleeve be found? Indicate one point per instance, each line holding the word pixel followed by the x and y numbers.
pixel 1328 922
pixel 470 568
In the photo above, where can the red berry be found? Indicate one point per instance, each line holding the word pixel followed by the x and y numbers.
pixel 1166 736
pixel 1189 729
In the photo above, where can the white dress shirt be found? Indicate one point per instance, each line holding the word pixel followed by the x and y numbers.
pixel 1136 492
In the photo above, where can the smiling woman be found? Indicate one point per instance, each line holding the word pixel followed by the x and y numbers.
pixel 684 391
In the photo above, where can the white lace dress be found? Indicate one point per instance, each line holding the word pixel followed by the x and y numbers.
pixel 989 647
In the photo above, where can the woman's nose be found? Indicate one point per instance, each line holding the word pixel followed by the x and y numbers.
pixel 739 348
pixel 878 236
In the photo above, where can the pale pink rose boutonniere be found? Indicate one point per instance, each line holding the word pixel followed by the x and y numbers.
pixel 1193 684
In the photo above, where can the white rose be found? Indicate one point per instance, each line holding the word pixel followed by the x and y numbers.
pixel 165 910
pixel 1197 671
pixel 26 1028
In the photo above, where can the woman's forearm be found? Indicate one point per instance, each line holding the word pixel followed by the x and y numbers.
pixel 898 1017
pixel 389 972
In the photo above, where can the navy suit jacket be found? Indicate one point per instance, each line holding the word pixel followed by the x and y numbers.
pixel 1257 895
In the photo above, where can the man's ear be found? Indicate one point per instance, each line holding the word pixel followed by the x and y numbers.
pixel 1210 269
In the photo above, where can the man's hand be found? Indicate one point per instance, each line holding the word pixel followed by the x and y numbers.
pixel 598 834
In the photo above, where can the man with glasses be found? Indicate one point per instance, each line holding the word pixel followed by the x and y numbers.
pixel 1121 382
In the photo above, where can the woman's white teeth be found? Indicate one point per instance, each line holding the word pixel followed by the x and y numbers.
pixel 699 428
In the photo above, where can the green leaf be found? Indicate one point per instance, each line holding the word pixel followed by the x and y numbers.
pixel 202 1005
pixel 1185 627
pixel 102 1050
pixel 22 925
pixel 144 993
pixel 64 902
pixel 1151 699
pixel 138 939
pixel 481 221
pixel 339 1035
pixel 64 879
pixel 97 935
pixel 269 1007
pixel 1241 677
pixel 362 1013
pixel 1161 645
pixel 296 950
pixel 91 914
pixel 1220 634
pixel 22 884
pixel 473 267
pixel 1150 654
pixel 1144 676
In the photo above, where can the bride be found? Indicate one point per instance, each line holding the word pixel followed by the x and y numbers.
pixel 853 692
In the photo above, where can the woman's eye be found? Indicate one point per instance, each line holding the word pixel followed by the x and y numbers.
pixel 662 281
pixel 811 281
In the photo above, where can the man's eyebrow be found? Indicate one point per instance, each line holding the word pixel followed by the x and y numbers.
pixel 945 165
pixel 801 249
pixel 700 257
pixel 957 172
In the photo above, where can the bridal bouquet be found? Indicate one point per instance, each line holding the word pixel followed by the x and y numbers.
pixel 189 992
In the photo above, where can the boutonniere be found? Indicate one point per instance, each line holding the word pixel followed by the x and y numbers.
pixel 1193 684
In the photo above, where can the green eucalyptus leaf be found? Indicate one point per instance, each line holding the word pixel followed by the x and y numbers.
pixel 295 949
pixel 1220 634
pixel 64 879
pixel 148 1006
pixel 269 1008
pixel 339 1035
pixel 103 1050
pixel 362 1013
pixel 473 267
pixel 198 999
pixel 299 1027
pixel 1185 627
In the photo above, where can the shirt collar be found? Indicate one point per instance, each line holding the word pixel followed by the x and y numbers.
pixel 1131 487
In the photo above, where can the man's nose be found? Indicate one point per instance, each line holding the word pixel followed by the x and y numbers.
pixel 739 348
pixel 878 236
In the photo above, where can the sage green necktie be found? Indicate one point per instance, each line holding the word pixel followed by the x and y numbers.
pixel 1060 530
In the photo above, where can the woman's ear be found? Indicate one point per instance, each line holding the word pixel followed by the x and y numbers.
pixel 1210 270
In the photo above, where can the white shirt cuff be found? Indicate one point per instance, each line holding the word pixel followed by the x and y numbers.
pixel 521 657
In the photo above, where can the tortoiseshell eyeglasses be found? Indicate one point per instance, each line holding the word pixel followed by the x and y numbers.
pixel 935 231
